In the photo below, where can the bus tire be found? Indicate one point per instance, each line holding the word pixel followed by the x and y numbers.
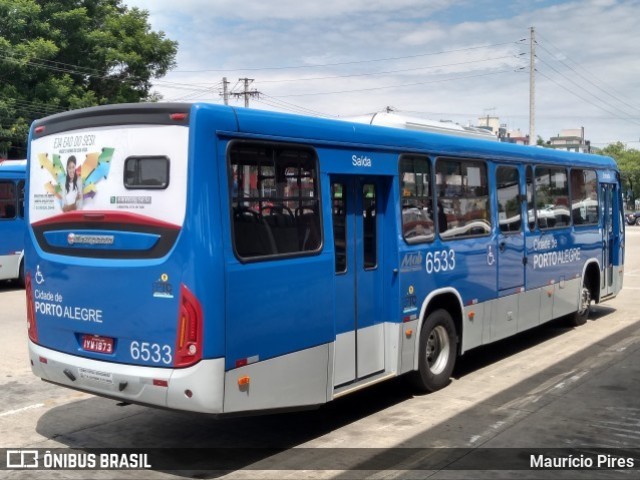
pixel 438 346
pixel 584 307
pixel 21 274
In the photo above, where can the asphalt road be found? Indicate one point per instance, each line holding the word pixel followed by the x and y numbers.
pixel 553 387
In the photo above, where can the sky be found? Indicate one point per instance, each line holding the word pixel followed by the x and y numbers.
pixel 439 59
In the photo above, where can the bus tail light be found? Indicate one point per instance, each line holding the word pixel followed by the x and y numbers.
pixel 189 335
pixel 32 328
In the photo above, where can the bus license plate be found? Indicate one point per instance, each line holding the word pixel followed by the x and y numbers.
pixel 93 343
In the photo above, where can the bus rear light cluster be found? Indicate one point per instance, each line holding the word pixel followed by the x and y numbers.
pixel 32 328
pixel 189 334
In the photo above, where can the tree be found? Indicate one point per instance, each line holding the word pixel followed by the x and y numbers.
pixel 628 160
pixel 541 143
pixel 57 55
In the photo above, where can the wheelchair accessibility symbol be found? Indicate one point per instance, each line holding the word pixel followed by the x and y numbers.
pixel 39 277
pixel 491 258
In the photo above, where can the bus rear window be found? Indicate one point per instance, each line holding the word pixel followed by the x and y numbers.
pixel 146 173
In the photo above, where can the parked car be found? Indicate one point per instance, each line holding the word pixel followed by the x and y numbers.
pixel 633 218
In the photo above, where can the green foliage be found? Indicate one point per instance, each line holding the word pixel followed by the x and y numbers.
pixel 58 55
pixel 628 160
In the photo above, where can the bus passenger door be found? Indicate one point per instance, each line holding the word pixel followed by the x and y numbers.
pixel 357 228
pixel 608 197
pixel 510 252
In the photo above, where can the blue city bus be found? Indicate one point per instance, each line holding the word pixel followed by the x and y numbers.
pixel 12 223
pixel 214 259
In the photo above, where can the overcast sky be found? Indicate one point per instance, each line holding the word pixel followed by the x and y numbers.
pixel 441 59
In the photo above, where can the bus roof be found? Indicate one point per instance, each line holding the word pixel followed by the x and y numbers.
pixel 17 166
pixel 298 128
pixel 394 120
pixel 337 131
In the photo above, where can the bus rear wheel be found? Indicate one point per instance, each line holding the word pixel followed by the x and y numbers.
pixel 584 307
pixel 21 274
pixel 438 346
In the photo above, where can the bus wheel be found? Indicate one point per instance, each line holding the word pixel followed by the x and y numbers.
pixel 438 349
pixel 21 274
pixel 584 307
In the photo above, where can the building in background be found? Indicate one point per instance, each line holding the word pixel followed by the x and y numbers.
pixel 515 136
pixel 571 140
pixel 490 123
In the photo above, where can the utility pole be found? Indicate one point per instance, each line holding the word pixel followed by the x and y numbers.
pixel 246 93
pixel 532 89
pixel 247 81
pixel 225 90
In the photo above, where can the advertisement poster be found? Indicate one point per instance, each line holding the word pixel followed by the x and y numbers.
pixel 84 170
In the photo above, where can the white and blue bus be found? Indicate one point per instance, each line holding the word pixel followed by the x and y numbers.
pixel 221 260
pixel 12 224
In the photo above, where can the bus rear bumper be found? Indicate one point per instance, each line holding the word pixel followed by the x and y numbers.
pixel 199 388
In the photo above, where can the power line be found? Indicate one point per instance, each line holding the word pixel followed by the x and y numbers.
pixel 515 115
pixel 389 71
pixel 394 86
pixel 195 94
pixel 625 105
pixel 75 67
pixel 278 103
pixel 131 79
pixel 624 101
pixel 587 100
pixel 26 109
pixel 32 108
pixel 354 62
pixel 627 116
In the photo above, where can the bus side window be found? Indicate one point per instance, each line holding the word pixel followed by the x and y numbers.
pixel 531 205
pixel 584 197
pixel 508 193
pixel 7 200
pixel 339 213
pixel 552 197
pixel 275 201
pixel 463 194
pixel 416 199
pixel 369 226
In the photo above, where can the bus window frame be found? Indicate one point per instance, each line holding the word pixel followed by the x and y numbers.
pixel 346 233
pixel 20 191
pixel 595 172
pixel 535 196
pixel 16 214
pixel 318 188
pixel 489 209
pixel 432 188
pixel 521 230
pixel 146 187
pixel 375 223
pixel 530 167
